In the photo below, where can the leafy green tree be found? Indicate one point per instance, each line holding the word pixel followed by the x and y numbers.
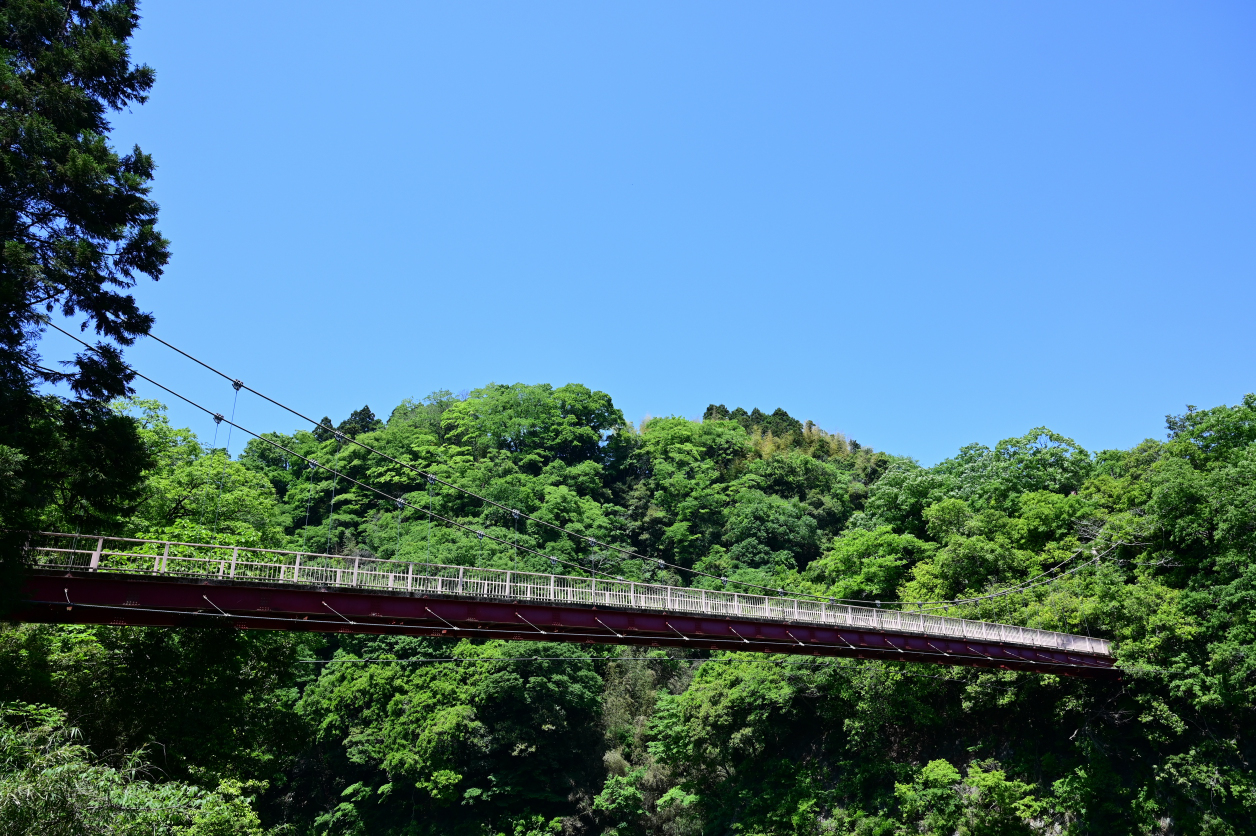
pixel 426 413
pixel 193 495
pixel 451 748
pixel 321 433
pixel 868 565
pixel 1040 460
pixel 52 785
pixel 985 803
pixel 535 422
pixel 900 497
pixel 821 482
pixel 767 532
pixel 677 484
pixel 932 803
pixel 621 805
pixel 234 691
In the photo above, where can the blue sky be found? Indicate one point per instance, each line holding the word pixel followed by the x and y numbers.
pixel 922 225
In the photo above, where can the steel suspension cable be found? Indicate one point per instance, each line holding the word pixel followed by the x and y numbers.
pixel 336 473
pixel 309 500
pixel 222 476
pixel 331 513
pixel 200 518
pixel 514 511
pixel 400 511
pixel 517 514
pixel 431 477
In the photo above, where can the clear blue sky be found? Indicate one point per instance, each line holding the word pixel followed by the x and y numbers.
pixel 920 224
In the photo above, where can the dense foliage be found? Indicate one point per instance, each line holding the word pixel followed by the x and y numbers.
pixel 207 732
pixel 1154 546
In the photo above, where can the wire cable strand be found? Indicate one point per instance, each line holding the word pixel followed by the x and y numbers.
pixel 433 478
pixel 347 478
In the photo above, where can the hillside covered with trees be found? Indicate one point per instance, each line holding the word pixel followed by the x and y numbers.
pixel 254 731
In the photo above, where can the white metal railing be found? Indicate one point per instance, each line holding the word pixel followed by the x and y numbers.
pixel 199 560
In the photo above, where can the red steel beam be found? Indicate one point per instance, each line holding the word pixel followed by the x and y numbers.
pixel 91 598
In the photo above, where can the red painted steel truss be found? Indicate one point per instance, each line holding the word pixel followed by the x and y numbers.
pixel 89 598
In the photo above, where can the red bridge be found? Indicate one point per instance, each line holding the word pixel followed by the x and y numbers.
pixel 103 580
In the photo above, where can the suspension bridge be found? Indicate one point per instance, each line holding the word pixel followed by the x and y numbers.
pixel 127 581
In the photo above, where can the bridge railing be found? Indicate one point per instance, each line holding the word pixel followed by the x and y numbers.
pixel 68 552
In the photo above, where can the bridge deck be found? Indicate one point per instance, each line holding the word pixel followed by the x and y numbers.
pixel 183 584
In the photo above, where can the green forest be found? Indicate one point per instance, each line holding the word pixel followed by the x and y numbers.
pixel 528 738
pixel 219 730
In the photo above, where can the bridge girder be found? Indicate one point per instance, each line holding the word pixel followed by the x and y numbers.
pixel 140 600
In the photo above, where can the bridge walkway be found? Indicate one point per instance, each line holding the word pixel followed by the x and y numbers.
pixel 128 581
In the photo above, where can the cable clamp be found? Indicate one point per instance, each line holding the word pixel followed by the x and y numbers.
pixel 218 418
pixel 237 385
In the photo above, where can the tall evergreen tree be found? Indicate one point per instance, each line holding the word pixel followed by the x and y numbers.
pixel 360 421
pixel 77 228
